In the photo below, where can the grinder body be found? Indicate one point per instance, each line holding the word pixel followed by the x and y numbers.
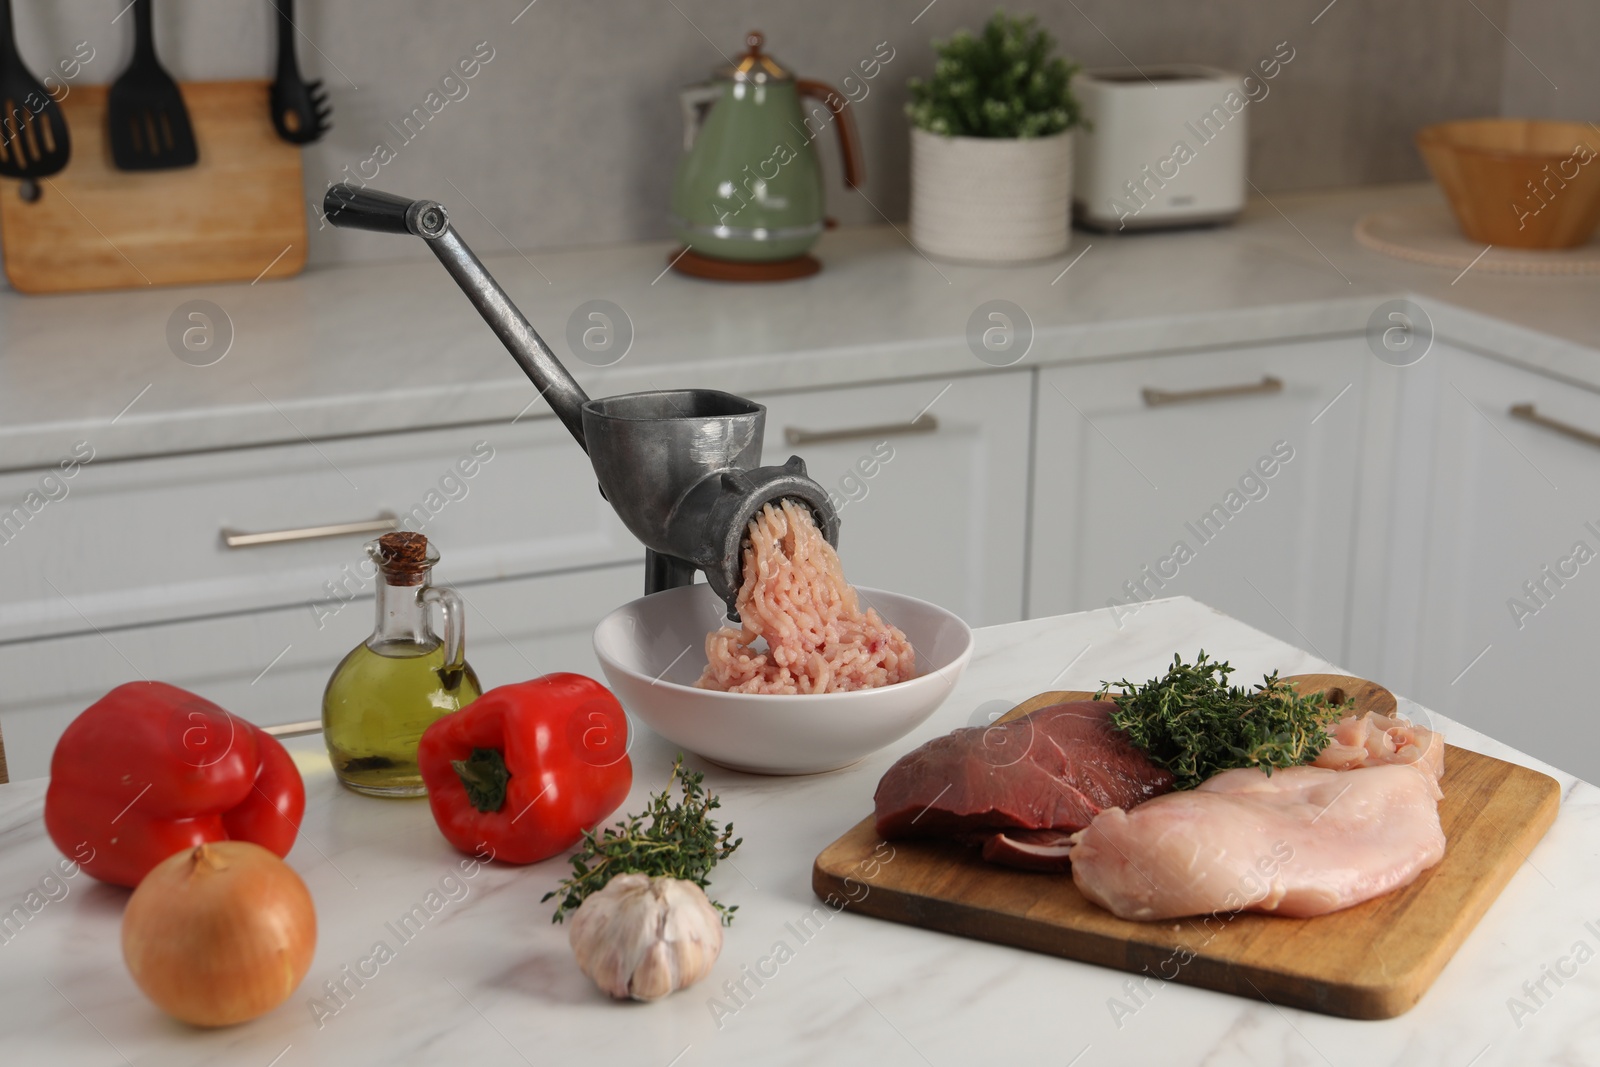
pixel 680 467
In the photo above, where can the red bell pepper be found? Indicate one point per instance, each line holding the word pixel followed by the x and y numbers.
pixel 522 771
pixel 149 770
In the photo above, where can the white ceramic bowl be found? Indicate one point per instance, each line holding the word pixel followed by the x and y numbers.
pixel 653 649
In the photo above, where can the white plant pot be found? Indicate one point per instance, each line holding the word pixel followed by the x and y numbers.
pixel 991 200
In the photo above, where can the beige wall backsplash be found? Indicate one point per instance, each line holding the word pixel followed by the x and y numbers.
pixel 1550 60
pixel 569 131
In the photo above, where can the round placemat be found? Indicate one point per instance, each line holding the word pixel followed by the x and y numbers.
pixel 726 270
pixel 1427 233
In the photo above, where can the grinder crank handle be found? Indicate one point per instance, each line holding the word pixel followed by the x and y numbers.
pixel 353 207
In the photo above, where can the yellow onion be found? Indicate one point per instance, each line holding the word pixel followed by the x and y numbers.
pixel 220 933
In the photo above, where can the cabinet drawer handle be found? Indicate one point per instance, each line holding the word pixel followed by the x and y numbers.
pixel 1527 413
pixel 1156 397
pixel 386 522
pixel 793 435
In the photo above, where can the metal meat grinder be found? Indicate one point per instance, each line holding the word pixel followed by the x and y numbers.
pixel 681 467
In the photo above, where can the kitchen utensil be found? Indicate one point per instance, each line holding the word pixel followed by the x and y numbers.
pixel 145 112
pixel 1130 172
pixel 748 187
pixel 299 110
pixel 238 214
pixel 1522 183
pixel 34 142
pixel 652 650
pixel 679 467
pixel 1372 961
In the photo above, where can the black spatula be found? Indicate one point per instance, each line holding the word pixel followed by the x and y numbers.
pixel 33 134
pixel 149 124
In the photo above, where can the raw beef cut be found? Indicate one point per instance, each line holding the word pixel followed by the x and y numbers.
pixel 1031 850
pixel 1053 770
pixel 1302 841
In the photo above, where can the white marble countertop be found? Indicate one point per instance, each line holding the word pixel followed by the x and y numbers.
pixel 489 979
pixel 386 347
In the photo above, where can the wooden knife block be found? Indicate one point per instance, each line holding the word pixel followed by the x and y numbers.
pixel 239 214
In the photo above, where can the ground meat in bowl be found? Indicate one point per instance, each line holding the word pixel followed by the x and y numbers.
pixel 795 599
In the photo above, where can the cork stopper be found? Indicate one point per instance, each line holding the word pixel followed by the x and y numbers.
pixel 404 557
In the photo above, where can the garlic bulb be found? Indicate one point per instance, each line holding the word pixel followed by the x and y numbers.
pixel 645 937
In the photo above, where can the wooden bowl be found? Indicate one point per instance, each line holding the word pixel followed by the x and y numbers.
pixel 1520 183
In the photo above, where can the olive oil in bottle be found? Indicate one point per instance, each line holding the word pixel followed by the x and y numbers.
pixel 403 678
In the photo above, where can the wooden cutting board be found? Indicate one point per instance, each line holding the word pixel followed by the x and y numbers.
pixel 238 214
pixel 1372 961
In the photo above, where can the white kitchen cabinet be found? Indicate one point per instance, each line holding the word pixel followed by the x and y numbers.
pixel 145 582
pixel 1507 613
pixel 934 509
pixel 141 540
pixel 1227 476
pixel 271 666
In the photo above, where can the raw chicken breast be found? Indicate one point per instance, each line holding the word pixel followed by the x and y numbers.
pixel 1370 739
pixel 1304 841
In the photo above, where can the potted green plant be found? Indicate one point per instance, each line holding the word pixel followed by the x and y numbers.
pixel 991 146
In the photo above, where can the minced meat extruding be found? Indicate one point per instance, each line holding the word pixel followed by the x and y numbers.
pixel 794 595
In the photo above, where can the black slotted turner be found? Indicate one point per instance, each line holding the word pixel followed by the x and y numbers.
pixel 148 121
pixel 33 133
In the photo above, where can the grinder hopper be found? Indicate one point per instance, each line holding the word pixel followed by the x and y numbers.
pixel 680 467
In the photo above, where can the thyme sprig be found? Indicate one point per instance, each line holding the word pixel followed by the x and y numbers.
pixel 1194 724
pixel 671 839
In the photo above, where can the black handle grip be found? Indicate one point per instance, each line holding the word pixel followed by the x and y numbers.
pixel 356 208
pixel 144 38
pixel 288 63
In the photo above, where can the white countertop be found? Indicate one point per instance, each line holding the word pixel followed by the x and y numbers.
pixel 385 347
pixel 490 980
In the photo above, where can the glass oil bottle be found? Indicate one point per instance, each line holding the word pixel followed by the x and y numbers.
pixel 399 681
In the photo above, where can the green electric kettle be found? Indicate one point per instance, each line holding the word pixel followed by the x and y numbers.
pixel 747 201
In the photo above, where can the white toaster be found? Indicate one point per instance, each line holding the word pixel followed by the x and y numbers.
pixel 1163 146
